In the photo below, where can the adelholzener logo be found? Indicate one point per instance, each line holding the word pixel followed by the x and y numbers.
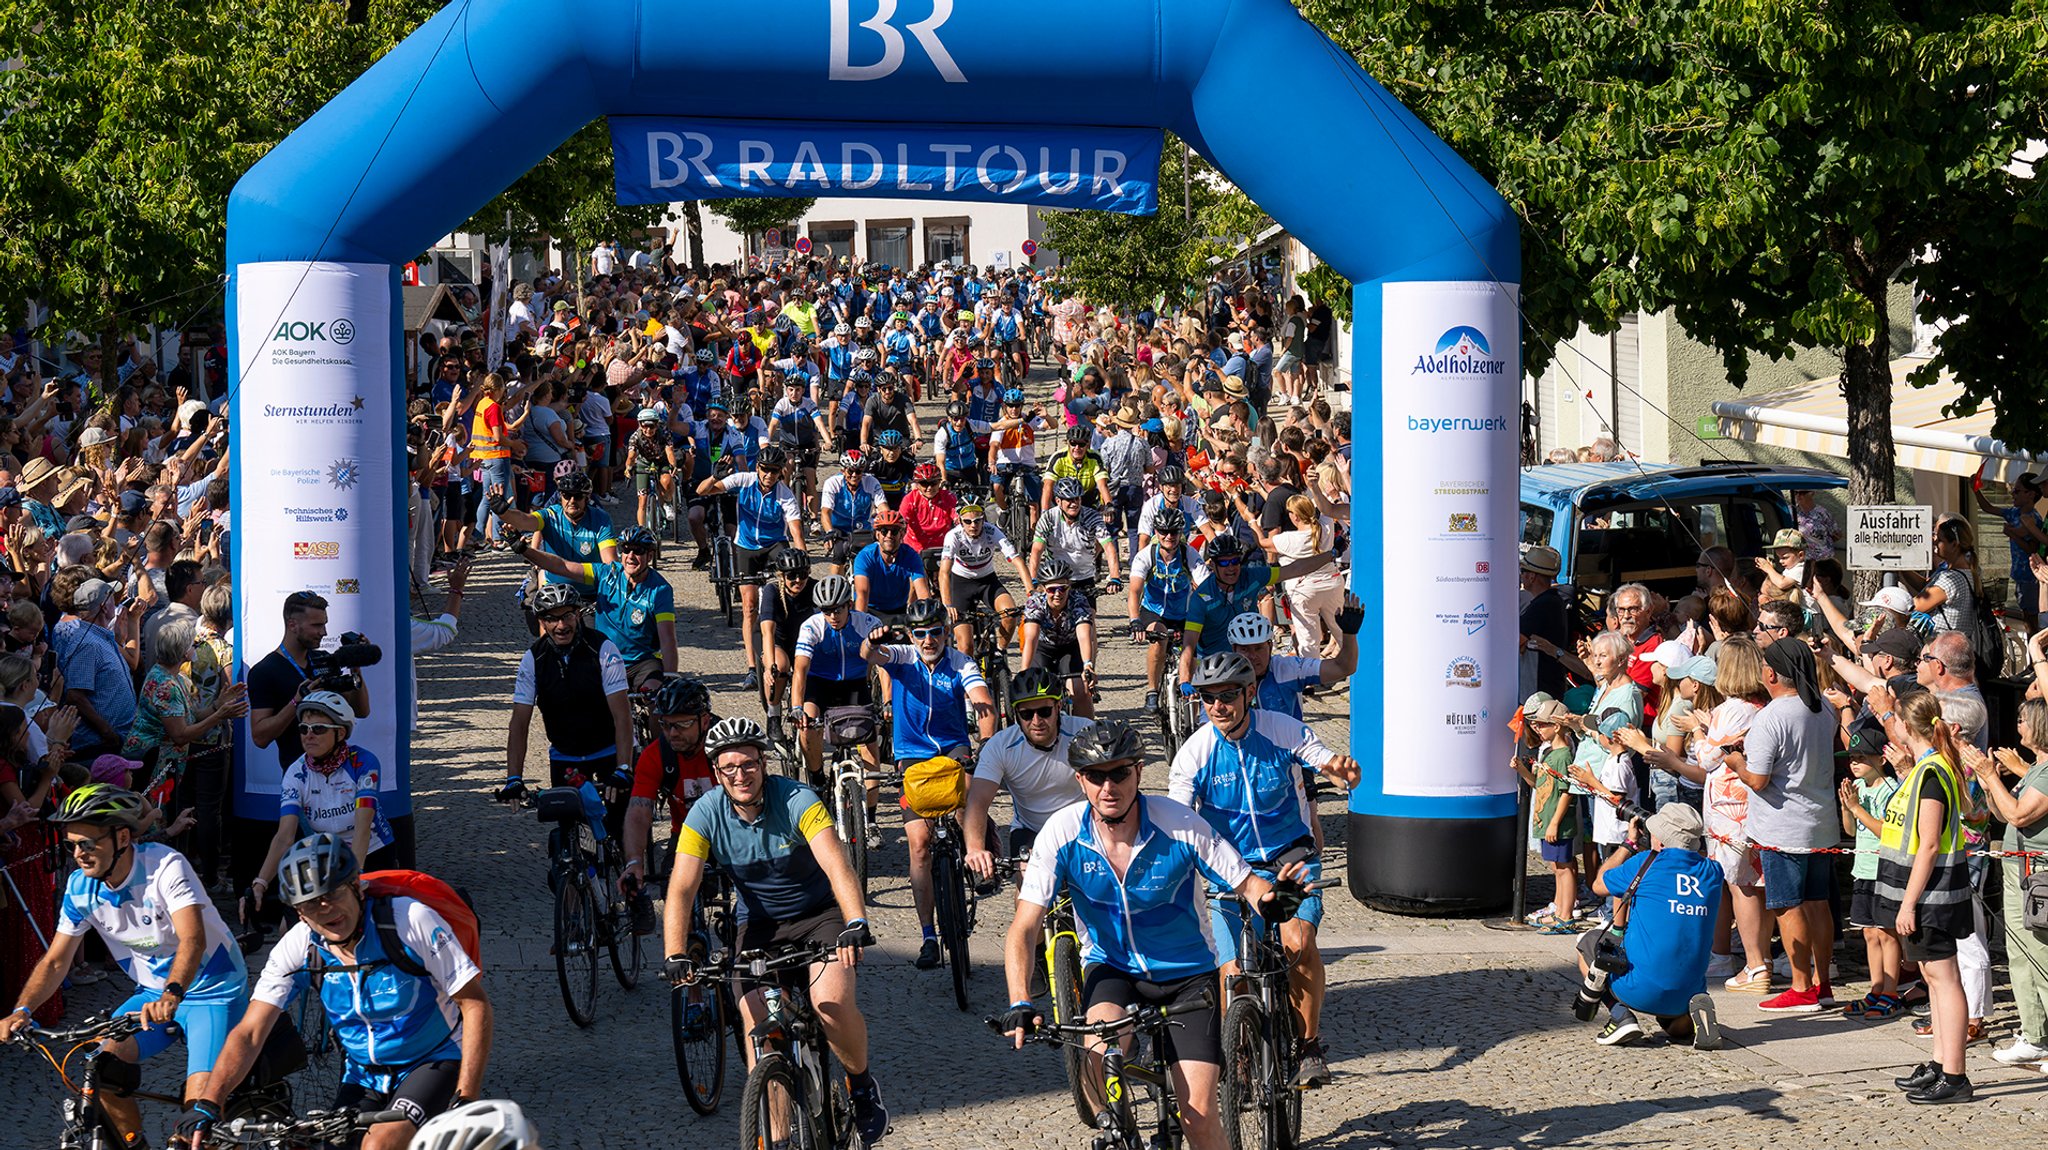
pixel 1461 350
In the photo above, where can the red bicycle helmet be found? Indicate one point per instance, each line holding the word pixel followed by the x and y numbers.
pixel 926 473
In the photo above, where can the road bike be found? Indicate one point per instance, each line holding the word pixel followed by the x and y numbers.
pixel 1256 1098
pixel 1135 1082
pixel 264 1094
pixel 590 913
pixel 317 1130
pixel 847 729
pixel 725 560
pixel 954 900
pixel 1063 976
pixel 795 1097
pixel 702 1010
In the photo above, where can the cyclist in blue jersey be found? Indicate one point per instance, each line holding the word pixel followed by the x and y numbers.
pixel 838 354
pixel 899 352
pixel 1238 576
pixel 1161 592
pixel 406 1000
pixel 957 447
pixel 1243 772
pixel 700 381
pixel 800 428
pixel 713 441
pixel 849 501
pixel 933 687
pixel 1006 330
pixel 888 574
pixel 149 907
pixel 830 669
pixel 636 607
pixel 850 413
pixel 1283 678
pixel 1134 865
pixel 984 405
pixel 768 518
pixel 570 527
pixel 773 839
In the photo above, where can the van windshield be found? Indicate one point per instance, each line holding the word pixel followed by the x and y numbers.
pixel 1536 524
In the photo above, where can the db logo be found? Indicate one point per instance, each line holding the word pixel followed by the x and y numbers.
pixel 316 550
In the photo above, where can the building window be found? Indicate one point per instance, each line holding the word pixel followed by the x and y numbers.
pixel 889 244
pixel 946 240
pixel 838 237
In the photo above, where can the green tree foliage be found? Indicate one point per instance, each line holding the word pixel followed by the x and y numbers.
pixel 754 215
pixel 1763 171
pixel 569 195
pixel 1128 261
pixel 1322 284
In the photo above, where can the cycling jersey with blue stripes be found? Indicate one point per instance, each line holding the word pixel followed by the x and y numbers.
pixel 732 442
pixel 930 699
pixel 764 514
pixel 835 653
pixel 958 448
pixel 1250 789
pixel 899 345
pixel 851 506
pixel 1286 677
pixel 1005 326
pixel 135 921
pixel 387 1020
pixel 578 542
pixel 839 360
pixel 700 387
pixel 1167 582
pixel 1215 605
pixel 931 325
pixel 985 403
pixel 1153 921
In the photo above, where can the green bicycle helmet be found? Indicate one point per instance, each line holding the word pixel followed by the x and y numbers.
pixel 103 804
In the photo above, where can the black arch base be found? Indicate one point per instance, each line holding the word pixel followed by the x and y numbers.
pixel 1431 866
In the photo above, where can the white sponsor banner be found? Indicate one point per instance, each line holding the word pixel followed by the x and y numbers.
pixel 1450 372
pixel 313 447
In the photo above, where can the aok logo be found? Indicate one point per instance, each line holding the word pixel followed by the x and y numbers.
pixel 300 331
pixel 841 66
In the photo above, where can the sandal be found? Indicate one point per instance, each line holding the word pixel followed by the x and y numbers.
pixel 1858 1007
pixel 1882 1006
pixel 1752 980
pixel 1561 928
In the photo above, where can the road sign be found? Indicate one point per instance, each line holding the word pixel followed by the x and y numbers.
pixel 803 245
pixel 1029 248
pixel 999 259
pixel 1884 537
pixel 772 238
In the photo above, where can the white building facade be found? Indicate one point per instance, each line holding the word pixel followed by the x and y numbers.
pixel 899 233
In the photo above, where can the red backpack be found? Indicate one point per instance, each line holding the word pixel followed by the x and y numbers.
pixel 450 903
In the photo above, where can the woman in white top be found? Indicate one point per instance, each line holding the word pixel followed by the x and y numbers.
pixel 331 789
pixel 1739 676
pixel 1312 599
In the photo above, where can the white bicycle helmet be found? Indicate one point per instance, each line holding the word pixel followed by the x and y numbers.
pixel 1249 630
pixel 490 1124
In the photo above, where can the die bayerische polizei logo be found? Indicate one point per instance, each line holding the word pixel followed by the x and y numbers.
pixel 1462 350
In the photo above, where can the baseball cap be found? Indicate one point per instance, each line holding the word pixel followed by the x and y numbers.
pixel 1788 539
pixel 1894 599
pixel 91 594
pixel 1670 653
pixel 1866 737
pixel 1698 668
pixel 1898 642
pixel 1678 826
pixel 9 497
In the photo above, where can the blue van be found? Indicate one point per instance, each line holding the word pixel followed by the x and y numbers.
pixel 1626 522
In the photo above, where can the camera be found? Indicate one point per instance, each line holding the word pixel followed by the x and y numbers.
pixel 337 670
pixel 1608 959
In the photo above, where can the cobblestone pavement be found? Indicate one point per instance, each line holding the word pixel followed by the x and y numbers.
pixel 1443 1034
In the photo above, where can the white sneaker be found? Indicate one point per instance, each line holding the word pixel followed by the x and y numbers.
pixel 1721 966
pixel 2020 1053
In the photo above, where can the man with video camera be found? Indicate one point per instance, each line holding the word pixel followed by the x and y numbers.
pixel 277 682
pixel 1667 901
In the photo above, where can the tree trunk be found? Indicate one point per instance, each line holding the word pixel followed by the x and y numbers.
pixel 1867 386
pixel 693 215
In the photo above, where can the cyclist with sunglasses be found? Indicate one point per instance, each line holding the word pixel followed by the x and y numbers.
pixel 1134 864
pixel 1164 574
pixel 787 602
pixel 332 789
pixel 577 679
pixel 932 686
pixel 769 518
pixel 967 573
pixel 1030 761
pixel 887 575
pixel 636 607
pixel 672 767
pixel 1238 577
pixel 1243 771
pixel 414 1027
pixel 1058 633
pixel 830 669
pixel 150 909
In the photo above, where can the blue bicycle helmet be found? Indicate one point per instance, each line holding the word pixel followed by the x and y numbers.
pixel 1013 397
pixel 889 438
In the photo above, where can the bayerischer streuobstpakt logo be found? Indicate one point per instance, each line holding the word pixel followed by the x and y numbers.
pixel 1460 350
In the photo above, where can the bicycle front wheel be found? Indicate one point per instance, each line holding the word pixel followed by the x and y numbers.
pixel 773 1109
pixel 851 797
pixel 628 950
pixel 696 1019
pixel 949 893
pixel 576 949
pixel 1241 1094
pixel 1066 1008
pixel 1286 1101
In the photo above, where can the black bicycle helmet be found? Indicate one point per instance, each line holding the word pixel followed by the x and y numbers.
pixel 553 597
pixel 956 410
pixel 1108 742
pixel 924 612
pixel 1079 435
pixel 1034 683
pixel 734 732
pixel 833 591
pixel 790 560
pixel 1053 569
pixel 773 458
pixel 1224 546
pixel 103 804
pixel 637 536
pixel 576 483
pixel 1066 488
pixel 315 867
pixel 682 695
pixel 1224 669
pixel 1171 475
pixel 1169 521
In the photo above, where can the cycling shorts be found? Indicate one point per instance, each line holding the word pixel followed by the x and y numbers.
pixel 646 481
pixel 1147 618
pixel 421 1090
pixel 967 592
pixel 755 563
pixel 1013 347
pixel 842 551
pixel 1062 659
pixel 1197 1033
pixel 204 1025
pixel 643 671
pixel 821 927
pixel 826 694
pixel 1225 914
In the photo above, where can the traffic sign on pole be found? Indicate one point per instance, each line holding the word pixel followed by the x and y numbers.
pixel 1029 248
pixel 1885 537
pixel 803 245
pixel 772 238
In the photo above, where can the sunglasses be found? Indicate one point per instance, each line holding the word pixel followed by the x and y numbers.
pixel 1228 695
pixel 888 530
pixel 1045 712
pixel 926 632
pixel 86 846
pixel 972 521
pixel 637 549
pixel 1106 778
pixel 315 728
pixel 679 724
pixel 1220 562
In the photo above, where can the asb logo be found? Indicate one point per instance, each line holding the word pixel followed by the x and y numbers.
pixel 1460 350
pixel 320 549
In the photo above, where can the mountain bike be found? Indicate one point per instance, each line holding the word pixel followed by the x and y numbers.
pixel 317 1130
pixel 992 655
pixel 701 1011
pixel 847 729
pixel 1063 975
pixel 590 913
pixel 954 899
pixel 1256 1099
pixel 795 1096
pixel 1020 504
pixel 265 1094
pixel 725 560
pixel 1177 712
pixel 1140 1081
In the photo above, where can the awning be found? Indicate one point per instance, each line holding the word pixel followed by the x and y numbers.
pixel 1814 417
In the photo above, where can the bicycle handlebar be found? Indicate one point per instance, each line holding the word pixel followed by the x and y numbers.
pixel 1141 1017
pixel 94 1029
pixel 1303 887
pixel 315 1126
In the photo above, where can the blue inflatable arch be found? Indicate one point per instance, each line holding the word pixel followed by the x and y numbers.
pixel 318 229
